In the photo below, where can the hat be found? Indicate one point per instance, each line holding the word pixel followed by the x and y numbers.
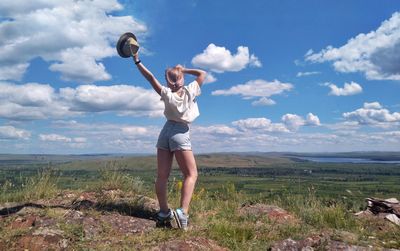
pixel 123 45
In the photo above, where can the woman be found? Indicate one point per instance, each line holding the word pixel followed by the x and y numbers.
pixel 174 139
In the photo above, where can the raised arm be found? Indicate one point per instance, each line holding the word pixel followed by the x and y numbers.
pixel 200 74
pixel 147 74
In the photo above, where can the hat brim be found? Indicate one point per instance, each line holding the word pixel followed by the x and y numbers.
pixel 121 44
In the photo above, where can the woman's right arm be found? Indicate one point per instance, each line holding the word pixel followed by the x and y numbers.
pixel 147 74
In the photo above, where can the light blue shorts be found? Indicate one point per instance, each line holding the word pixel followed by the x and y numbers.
pixel 174 136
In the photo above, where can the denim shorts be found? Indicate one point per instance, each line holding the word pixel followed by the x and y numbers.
pixel 174 136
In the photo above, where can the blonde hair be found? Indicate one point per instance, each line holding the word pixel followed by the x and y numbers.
pixel 174 76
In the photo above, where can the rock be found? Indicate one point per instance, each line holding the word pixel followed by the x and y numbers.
pixel 91 227
pixel 309 243
pixel 23 222
pixel 126 224
pixel 273 213
pixel 316 242
pixel 194 243
pixel 120 224
pixel 43 239
pixel 393 218
pixel 45 221
pixel 338 246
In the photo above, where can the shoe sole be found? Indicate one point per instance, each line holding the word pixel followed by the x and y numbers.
pixel 177 219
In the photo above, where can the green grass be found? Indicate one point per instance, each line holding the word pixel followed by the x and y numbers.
pixel 323 200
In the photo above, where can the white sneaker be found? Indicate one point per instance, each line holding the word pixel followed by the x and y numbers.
pixel 181 219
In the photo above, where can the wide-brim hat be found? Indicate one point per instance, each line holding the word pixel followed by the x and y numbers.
pixel 123 46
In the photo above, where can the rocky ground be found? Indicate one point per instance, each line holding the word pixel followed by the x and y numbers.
pixel 114 220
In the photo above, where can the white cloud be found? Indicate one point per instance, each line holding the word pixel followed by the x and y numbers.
pixel 134 131
pixel 312 120
pixel 308 73
pixel 219 59
pixel 263 124
pixel 101 137
pixel 372 114
pixel 293 121
pixel 79 139
pixel 10 132
pixel 73 36
pixel 264 101
pixel 62 141
pixel 376 54
pixel 124 99
pixel 210 78
pixel 39 101
pixel 257 88
pixel 216 130
pixel 348 89
pixel 30 101
pixel 54 138
pixel 372 105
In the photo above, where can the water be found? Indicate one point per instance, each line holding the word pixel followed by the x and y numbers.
pixel 348 160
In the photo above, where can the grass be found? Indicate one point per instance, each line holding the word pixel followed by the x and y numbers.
pixel 41 186
pixel 113 177
pixel 320 206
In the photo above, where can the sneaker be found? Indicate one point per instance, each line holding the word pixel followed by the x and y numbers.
pixel 181 218
pixel 164 220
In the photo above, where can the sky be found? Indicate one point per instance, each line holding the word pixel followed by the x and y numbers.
pixel 283 75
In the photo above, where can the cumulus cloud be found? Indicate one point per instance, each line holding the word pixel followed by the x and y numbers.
pixel 40 101
pixel 312 120
pixel 100 137
pixel 372 114
pixel 373 105
pixel 30 101
pixel 219 59
pixel 348 89
pixel 125 99
pixel 210 78
pixel 10 132
pixel 264 101
pixel 293 121
pixel 64 33
pixel 376 54
pixel 262 124
pixel 257 89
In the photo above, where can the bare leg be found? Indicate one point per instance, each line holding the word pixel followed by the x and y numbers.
pixel 164 163
pixel 187 164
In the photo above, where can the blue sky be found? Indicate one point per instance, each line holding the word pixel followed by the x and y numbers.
pixel 303 76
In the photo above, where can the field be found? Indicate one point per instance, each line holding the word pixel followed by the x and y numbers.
pixel 262 175
pixel 312 191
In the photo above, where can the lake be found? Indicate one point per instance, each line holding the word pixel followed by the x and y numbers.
pixel 347 160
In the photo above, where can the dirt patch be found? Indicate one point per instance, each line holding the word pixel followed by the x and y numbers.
pixel 273 213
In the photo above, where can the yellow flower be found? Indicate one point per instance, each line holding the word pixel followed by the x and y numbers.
pixel 179 185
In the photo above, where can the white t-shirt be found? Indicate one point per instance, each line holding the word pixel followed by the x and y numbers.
pixel 184 108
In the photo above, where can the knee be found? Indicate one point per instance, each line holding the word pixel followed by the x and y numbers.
pixel 192 175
